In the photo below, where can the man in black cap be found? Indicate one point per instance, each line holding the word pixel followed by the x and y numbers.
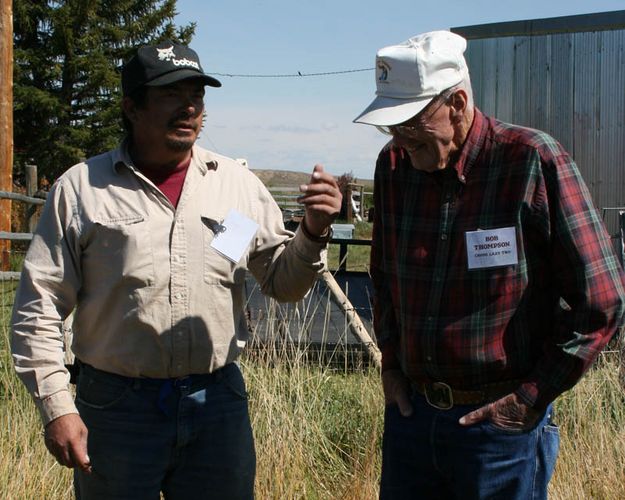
pixel 150 244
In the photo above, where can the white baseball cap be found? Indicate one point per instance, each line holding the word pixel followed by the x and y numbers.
pixel 411 74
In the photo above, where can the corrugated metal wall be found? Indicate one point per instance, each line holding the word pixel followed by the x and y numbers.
pixel 571 85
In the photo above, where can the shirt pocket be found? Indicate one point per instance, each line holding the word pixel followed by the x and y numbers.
pixel 496 283
pixel 218 270
pixel 122 248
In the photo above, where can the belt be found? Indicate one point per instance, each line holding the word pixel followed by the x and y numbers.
pixel 166 387
pixel 145 382
pixel 440 395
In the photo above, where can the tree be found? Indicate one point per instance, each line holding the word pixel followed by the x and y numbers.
pixel 67 56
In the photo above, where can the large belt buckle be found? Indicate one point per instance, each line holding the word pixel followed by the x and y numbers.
pixel 439 395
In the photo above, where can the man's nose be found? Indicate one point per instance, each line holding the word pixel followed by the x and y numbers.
pixel 191 105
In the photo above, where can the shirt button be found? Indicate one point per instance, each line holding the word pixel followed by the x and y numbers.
pixel 443 236
pixel 178 296
pixel 429 358
pixel 462 178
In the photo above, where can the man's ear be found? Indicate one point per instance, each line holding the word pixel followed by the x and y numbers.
pixel 458 104
pixel 129 108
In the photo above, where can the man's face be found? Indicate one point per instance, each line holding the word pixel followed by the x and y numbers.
pixel 429 137
pixel 171 117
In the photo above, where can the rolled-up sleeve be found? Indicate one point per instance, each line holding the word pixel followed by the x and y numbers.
pixel 285 264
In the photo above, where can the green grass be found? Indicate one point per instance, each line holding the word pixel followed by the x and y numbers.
pixel 357 256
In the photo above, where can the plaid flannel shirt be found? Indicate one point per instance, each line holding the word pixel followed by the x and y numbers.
pixel 541 321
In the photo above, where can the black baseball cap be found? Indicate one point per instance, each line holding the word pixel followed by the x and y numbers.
pixel 163 64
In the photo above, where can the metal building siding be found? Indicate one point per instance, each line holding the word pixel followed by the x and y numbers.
pixel 587 65
pixel 505 76
pixel 569 84
pixel 562 90
pixel 611 140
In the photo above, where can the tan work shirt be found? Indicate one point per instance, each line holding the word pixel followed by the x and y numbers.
pixel 152 298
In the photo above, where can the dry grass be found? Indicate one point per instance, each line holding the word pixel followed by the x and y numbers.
pixel 591 463
pixel 27 471
pixel 318 432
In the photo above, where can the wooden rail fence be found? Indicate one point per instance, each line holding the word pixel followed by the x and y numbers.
pixel 32 201
pixel 286 199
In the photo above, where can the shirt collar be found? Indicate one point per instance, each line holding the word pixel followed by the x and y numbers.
pixel 469 151
pixel 472 146
pixel 203 159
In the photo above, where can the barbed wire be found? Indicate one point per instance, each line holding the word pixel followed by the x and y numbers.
pixel 299 74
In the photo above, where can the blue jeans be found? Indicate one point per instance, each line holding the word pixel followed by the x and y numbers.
pixel 190 438
pixel 429 455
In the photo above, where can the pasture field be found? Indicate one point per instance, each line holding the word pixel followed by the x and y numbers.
pixel 318 431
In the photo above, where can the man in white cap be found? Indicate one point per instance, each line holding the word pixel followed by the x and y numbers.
pixel 496 283
pixel 150 243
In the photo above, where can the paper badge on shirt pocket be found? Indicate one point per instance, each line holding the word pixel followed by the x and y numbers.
pixel 487 248
pixel 234 235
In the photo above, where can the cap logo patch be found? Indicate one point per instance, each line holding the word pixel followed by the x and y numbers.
pixel 166 54
pixel 383 70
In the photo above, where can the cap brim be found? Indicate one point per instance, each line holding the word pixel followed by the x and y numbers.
pixel 183 74
pixel 391 111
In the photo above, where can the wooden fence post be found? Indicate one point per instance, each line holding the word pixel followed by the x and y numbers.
pixel 354 322
pixel 350 213
pixel 6 124
pixel 31 189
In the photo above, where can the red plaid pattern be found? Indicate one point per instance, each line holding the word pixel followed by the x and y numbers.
pixel 541 321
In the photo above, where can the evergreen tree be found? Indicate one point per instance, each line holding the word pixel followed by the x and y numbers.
pixel 67 57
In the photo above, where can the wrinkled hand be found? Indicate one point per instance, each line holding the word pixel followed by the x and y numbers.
pixel 322 201
pixel 66 440
pixel 396 389
pixel 508 412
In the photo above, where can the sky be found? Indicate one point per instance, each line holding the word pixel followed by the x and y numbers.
pixel 293 123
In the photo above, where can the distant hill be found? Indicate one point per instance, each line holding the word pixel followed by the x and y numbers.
pixel 272 178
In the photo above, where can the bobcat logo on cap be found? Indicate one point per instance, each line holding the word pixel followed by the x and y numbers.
pixel 383 69
pixel 169 56
pixel 166 54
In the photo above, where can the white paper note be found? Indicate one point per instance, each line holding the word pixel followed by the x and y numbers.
pixel 235 234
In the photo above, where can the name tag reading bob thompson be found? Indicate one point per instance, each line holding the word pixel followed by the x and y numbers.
pixel 491 248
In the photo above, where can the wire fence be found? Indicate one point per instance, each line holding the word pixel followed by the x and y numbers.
pixel 14 244
pixel 13 254
pixel 332 336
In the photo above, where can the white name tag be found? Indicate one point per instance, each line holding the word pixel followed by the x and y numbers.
pixel 491 248
pixel 234 235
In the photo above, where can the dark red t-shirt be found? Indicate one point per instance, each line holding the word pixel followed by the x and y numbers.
pixel 170 182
